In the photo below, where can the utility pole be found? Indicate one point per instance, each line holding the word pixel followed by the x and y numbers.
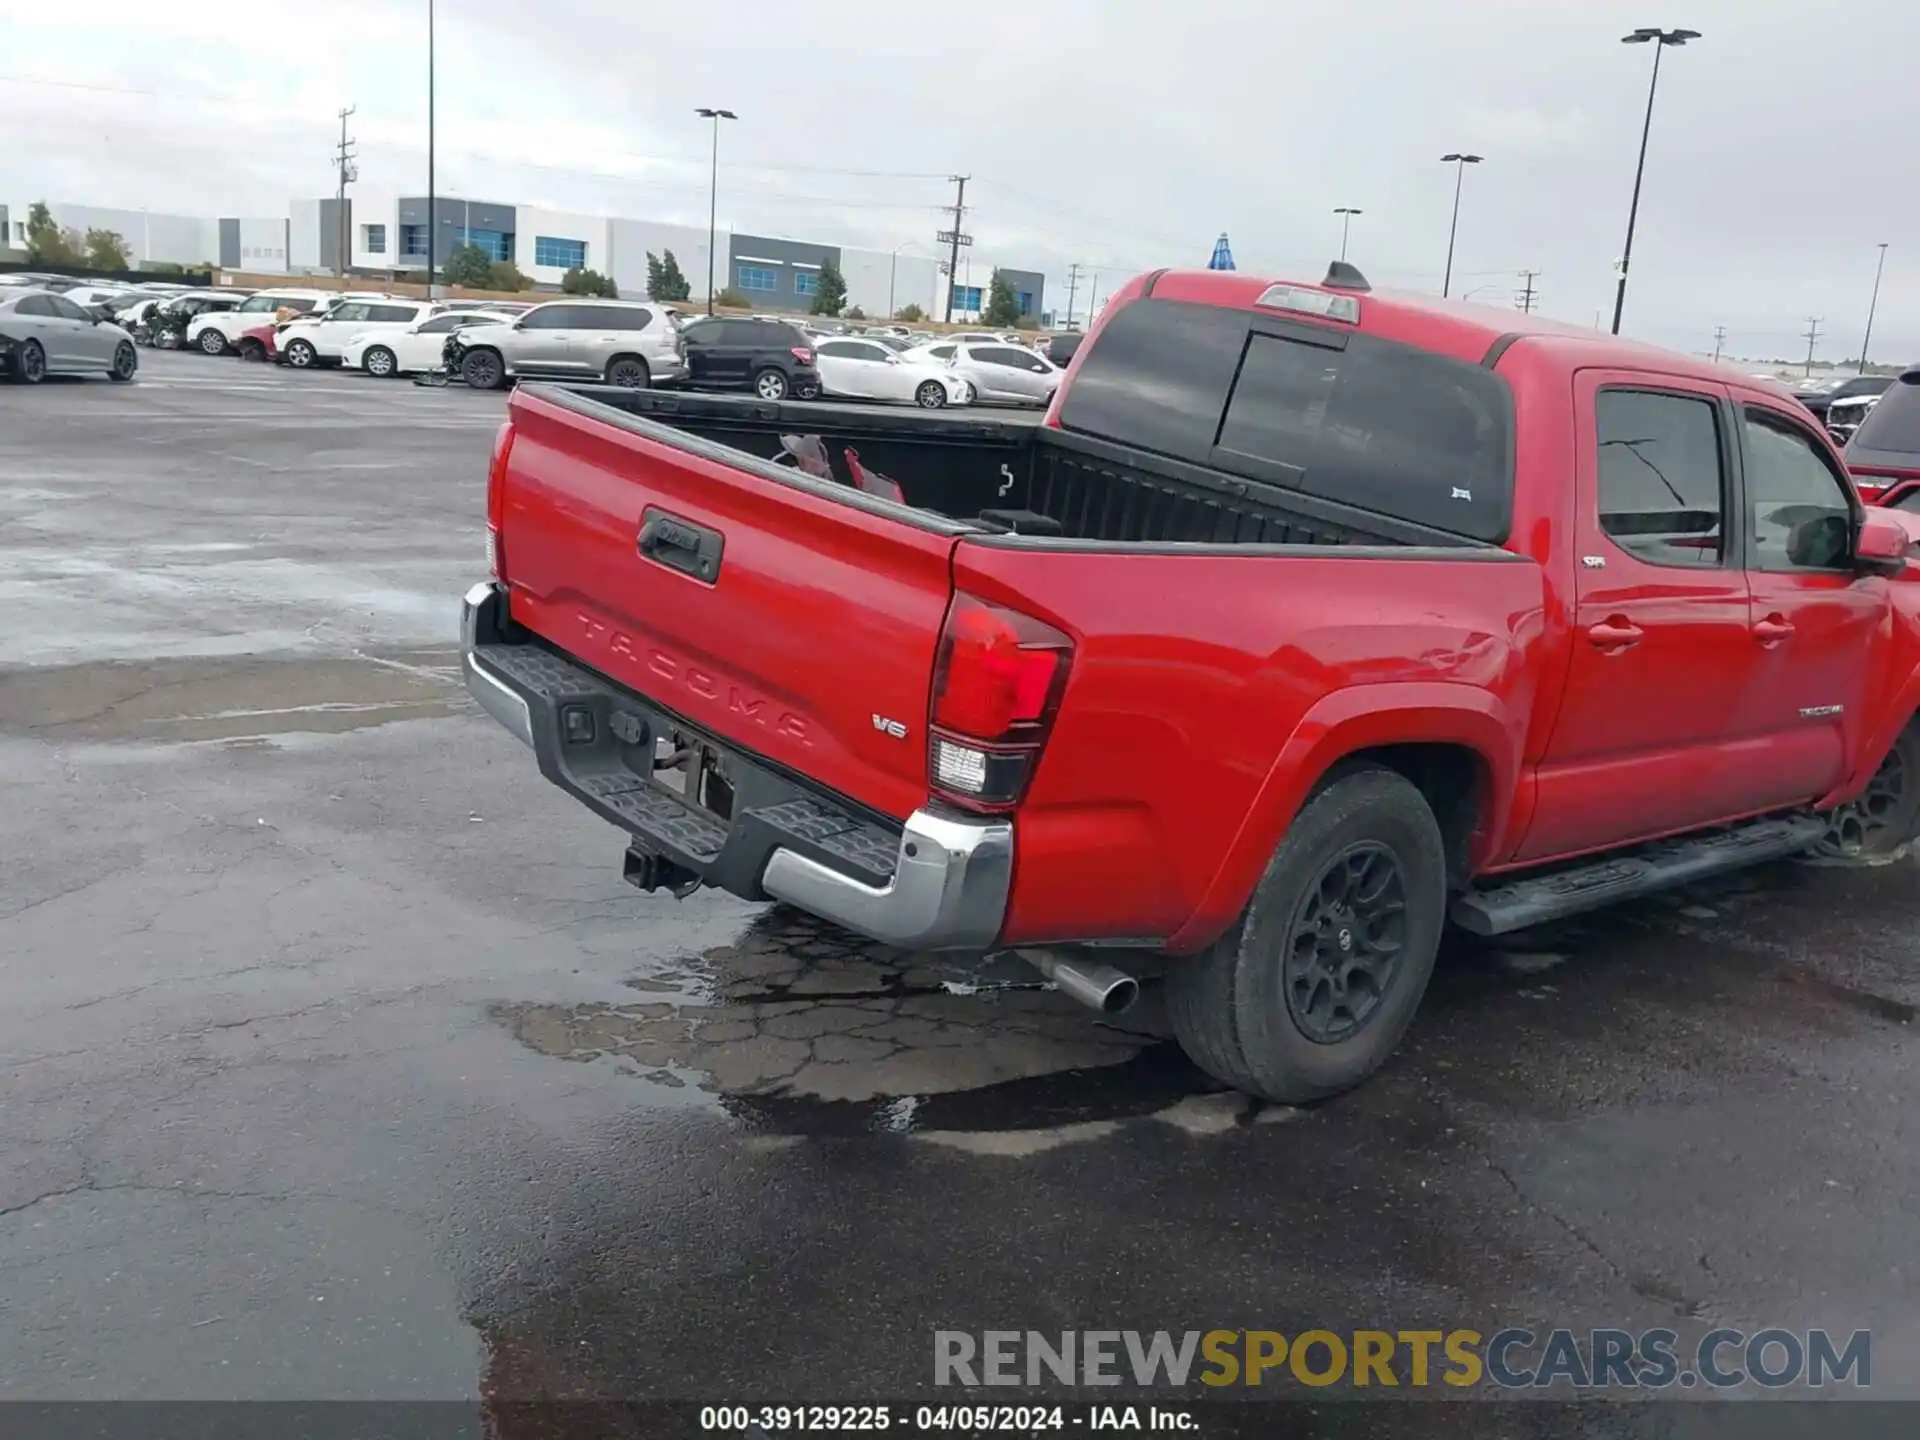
pixel 433 200
pixel 1813 334
pixel 953 254
pixel 348 172
pixel 1719 342
pixel 1527 293
pixel 1093 295
pixel 1073 282
pixel 1873 305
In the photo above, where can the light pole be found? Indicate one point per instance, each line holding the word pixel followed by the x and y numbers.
pixel 1459 163
pixel 432 221
pixel 713 192
pixel 1872 305
pixel 1346 214
pixel 1659 39
pixel 893 269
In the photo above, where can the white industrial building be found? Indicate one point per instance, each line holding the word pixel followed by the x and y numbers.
pixel 155 237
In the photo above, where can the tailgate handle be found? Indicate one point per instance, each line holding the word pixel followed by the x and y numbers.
pixel 681 545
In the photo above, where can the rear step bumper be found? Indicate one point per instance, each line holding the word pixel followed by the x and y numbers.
pixel 938 882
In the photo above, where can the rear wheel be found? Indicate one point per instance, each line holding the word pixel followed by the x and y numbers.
pixel 380 363
pixel 301 355
pixel 931 396
pixel 30 363
pixel 629 372
pixel 252 350
pixel 212 342
pixel 1883 820
pixel 125 362
pixel 770 384
pixel 483 370
pixel 1311 990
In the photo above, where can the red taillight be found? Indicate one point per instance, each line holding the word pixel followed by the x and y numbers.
pixel 497 500
pixel 997 681
pixel 802 354
pixel 1872 481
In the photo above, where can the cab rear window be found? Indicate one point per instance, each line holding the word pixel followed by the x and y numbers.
pixel 1893 425
pixel 1347 417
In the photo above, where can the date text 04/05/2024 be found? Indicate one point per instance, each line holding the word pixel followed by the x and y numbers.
pixel 961 1419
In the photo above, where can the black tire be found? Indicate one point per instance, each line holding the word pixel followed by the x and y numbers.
pixel 630 372
pixel 212 342
pixel 126 362
pixel 253 351
pixel 30 363
pixel 770 384
pixel 381 363
pixel 931 396
pixel 1238 1013
pixel 1884 819
pixel 483 370
pixel 302 356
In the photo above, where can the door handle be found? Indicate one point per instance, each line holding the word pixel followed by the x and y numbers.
pixel 681 545
pixel 1772 630
pixel 1616 632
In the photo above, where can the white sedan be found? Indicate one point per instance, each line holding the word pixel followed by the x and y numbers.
pixel 867 370
pixel 416 349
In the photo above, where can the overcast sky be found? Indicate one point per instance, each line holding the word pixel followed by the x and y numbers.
pixel 1119 133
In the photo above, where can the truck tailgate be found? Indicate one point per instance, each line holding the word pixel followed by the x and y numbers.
pixel 792 617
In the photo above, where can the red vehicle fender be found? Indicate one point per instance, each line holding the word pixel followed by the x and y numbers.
pixel 1362 717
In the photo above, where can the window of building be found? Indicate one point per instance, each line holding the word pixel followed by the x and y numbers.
pixel 1661 480
pixel 564 254
pixel 806 282
pixel 966 297
pixel 373 239
pixel 1802 518
pixel 494 244
pixel 413 241
pixel 759 278
pixel 1026 302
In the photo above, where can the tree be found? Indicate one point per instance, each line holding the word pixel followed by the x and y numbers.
pixel 589 282
pixel 468 265
pixel 856 313
pixel 1003 305
pixel 505 275
pixel 664 280
pixel 107 250
pixel 47 243
pixel 830 289
pixel 910 314
pixel 730 299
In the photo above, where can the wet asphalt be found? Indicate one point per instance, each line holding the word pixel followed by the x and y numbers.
pixel 337 1061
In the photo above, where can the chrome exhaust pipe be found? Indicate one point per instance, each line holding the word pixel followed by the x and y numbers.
pixel 1098 987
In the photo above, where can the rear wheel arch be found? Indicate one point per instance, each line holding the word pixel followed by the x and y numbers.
pixel 1451 742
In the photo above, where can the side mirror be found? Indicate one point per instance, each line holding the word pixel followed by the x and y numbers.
pixel 1882 545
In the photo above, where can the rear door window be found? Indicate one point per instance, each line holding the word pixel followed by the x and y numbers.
pixel 1158 378
pixel 1662 481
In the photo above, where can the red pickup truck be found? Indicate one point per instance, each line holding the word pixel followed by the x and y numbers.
pixel 1307 620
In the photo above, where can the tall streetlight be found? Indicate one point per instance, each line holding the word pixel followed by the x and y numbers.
pixel 1459 163
pixel 1346 214
pixel 432 221
pixel 1872 305
pixel 1659 39
pixel 713 193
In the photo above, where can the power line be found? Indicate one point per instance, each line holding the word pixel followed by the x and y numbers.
pixel 1073 285
pixel 1719 342
pixel 1527 293
pixel 1812 336
pixel 953 256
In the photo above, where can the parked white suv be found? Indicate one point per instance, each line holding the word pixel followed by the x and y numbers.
pixel 323 338
pixel 216 334
pixel 621 342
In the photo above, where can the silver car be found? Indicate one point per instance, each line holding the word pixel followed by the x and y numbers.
pixel 620 342
pixel 44 334
pixel 1006 374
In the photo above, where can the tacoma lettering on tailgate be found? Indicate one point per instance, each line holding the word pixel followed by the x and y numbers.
pixel 680 675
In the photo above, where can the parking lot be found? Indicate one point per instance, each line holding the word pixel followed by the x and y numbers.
pixel 341 1062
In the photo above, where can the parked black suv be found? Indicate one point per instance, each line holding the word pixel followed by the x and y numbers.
pixel 769 357
pixel 1886 448
pixel 1061 347
pixel 1818 395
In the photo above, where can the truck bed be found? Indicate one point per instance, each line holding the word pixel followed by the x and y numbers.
pixel 961 463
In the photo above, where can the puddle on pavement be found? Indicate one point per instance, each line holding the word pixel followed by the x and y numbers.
pixel 216 698
pixel 801 1029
